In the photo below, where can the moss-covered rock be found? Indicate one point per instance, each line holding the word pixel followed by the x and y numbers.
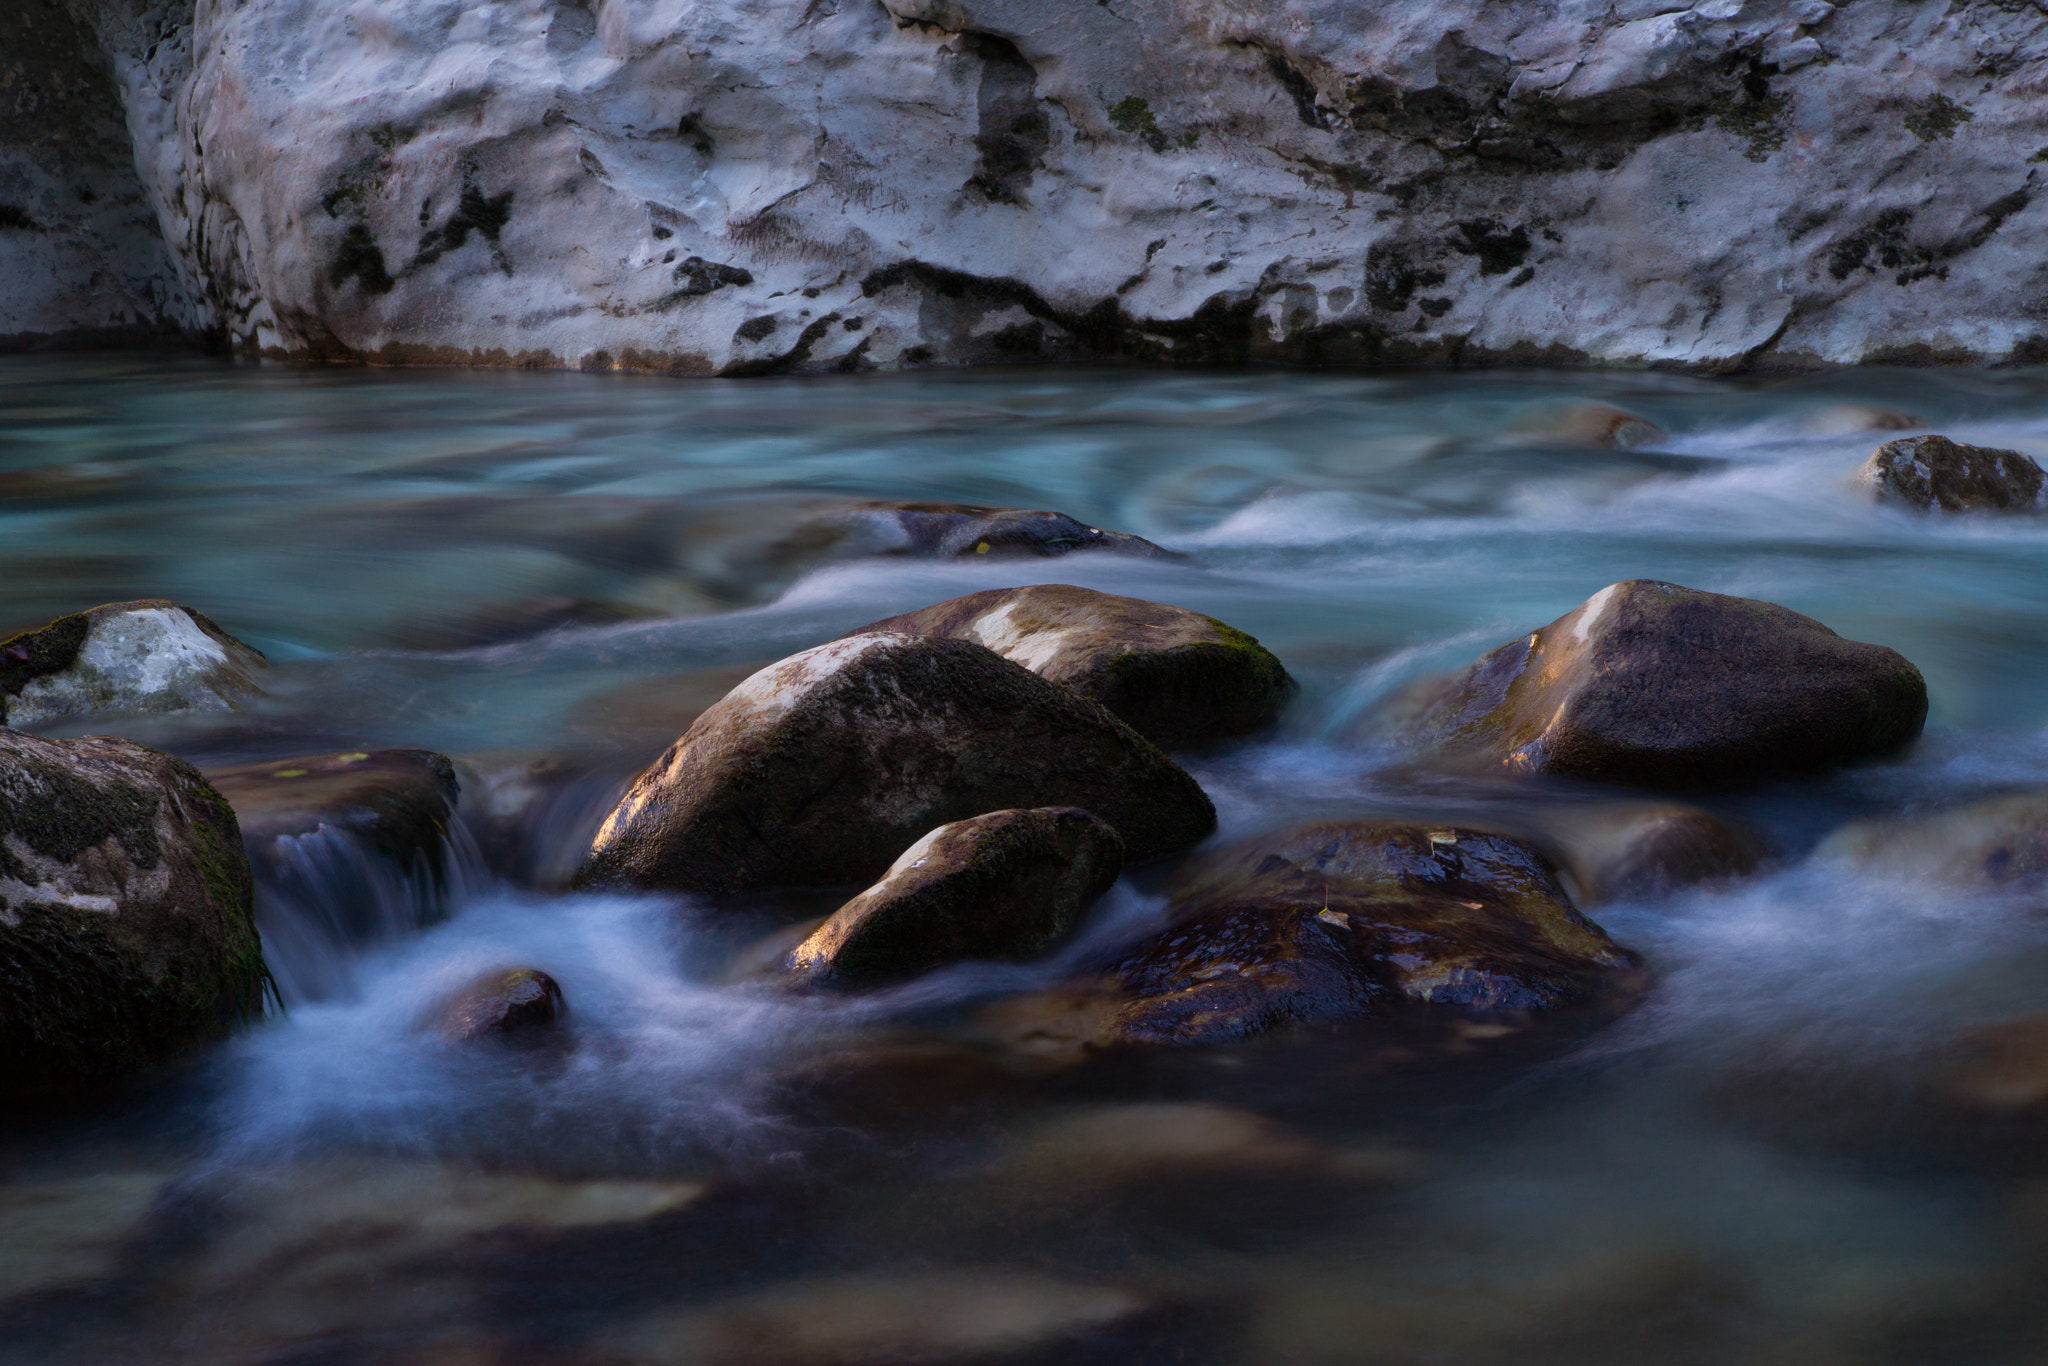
pixel 516 1005
pixel 126 929
pixel 1438 929
pixel 1176 677
pixel 822 768
pixel 1935 473
pixel 1006 885
pixel 1654 684
pixel 143 656
pixel 398 802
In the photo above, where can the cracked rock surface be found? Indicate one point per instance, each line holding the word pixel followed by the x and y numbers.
pixel 758 186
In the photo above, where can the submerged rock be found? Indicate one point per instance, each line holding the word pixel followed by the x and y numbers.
pixel 1176 677
pixel 1613 853
pixel 142 656
pixel 1933 472
pixel 947 531
pixel 1659 685
pixel 1007 885
pixel 1599 425
pixel 1996 1072
pixel 397 801
pixel 126 929
pixel 824 767
pixel 1442 929
pixel 2001 842
pixel 1848 419
pixel 517 1006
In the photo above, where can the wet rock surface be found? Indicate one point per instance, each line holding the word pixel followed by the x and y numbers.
pixel 1178 678
pixel 1653 684
pixel 1934 473
pixel 948 531
pixel 518 1006
pixel 142 656
pixel 1447 929
pixel 399 802
pixel 1998 843
pixel 1617 853
pixel 1006 885
pixel 823 768
pixel 126 931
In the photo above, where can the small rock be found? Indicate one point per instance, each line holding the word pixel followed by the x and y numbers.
pixel 144 656
pixel 126 929
pixel 1848 419
pixel 1176 677
pixel 1934 472
pixel 1613 853
pixel 821 769
pixel 519 1005
pixel 1600 425
pixel 1436 927
pixel 1007 885
pixel 1659 685
pixel 953 530
pixel 398 801
pixel 2001 842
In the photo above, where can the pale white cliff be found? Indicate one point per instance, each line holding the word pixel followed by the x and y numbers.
pixel 748 186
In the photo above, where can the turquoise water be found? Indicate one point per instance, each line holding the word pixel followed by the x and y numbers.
pixel 559 569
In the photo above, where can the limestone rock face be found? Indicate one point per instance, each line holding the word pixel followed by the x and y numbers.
pixel 139 656
pixel 1007 885
pixel 1176 677
pixel 1659 685
pixel 823 768
pixel 126 930
pixel 754 186
pixel 1933 472
pixel 1406 923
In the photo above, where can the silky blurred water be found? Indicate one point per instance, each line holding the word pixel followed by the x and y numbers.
pixel 528 569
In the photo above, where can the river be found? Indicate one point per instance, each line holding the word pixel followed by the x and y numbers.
pixel 548 572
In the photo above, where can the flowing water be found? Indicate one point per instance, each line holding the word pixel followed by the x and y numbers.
pixel 547 575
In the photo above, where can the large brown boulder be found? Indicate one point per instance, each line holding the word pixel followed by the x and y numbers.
pixel 1007 885
pixel 126 931
pixel 1176 677
pixel 824 767
pixel 1654 684
pixel 143 656
pixel 1933 472
pixel 1419 927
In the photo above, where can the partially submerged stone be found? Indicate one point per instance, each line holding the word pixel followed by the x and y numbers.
pixel 1443 929
pixel 515 1005
pixel 1659 685
pixel 1849 419
pixel 1599 425
pixel 822 768
pixel 1933 472
pixel 126 930
pixel 1176 677
pixel 398 802
pixel 1006 885
pixel 956 530
pixel 1627 852
pixel 1998 843
pixel 143 656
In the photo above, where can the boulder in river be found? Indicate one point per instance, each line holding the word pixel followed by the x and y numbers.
pixel 1658 685
pixel 1436 928
pixel 515 1005
pixel 1176 677
pixel 821 769
pixel 1006 885
pixel 143 656
pixel 1933 472
pixel 398 802
pixel 1613 852
pixel 948 531
pixel 2000 842
pixel 126 929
